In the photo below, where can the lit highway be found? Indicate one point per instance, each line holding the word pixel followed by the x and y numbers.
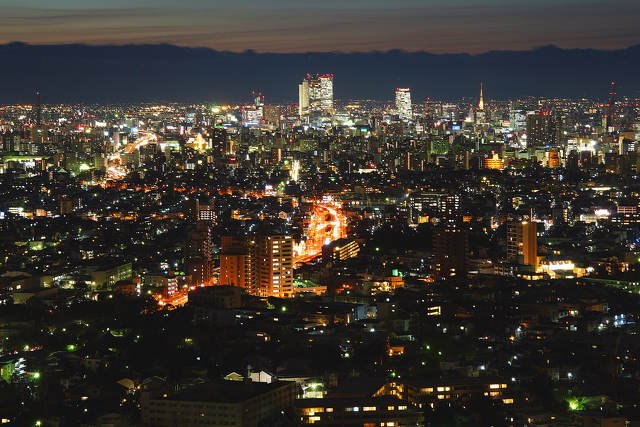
pixel 115 169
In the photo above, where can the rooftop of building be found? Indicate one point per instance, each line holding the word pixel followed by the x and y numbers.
pixel 226 391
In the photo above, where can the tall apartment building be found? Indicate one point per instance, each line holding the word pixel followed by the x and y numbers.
pixel 237 262
pixel 275 266
pixel 522 243
pixel 340 250
pixel 262 264
pixel 198 254
pixel 440 205
pixel 450 252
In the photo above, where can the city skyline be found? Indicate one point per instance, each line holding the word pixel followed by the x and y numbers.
pixel 341 213
pixel 167 73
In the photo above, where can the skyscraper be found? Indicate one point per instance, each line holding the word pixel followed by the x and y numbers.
pixel 324 93
pixel 608 120
pixel 541 129
pixel 38 110
pixel 403 103
pixel 303 98
pixel 315 94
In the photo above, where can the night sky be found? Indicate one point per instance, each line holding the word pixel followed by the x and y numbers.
pixel 437 26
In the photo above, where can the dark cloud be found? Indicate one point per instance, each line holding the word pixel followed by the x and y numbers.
pixel 349 25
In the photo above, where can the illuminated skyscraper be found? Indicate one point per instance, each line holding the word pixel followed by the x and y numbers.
pixel 541 129
pixel 303 98
pixel 38 110
pixel 403 103
pixel 315 94
pixel 324 95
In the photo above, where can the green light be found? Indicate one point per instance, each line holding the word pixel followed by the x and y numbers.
pixel 576 404
pixel 428 347
pixel 283 308
pixel 84 167
pixel 71 347
pixel 26 348
pixel 36 375
pixel 38 423
pixel 377 249
pixel 439 353
pixel 393 374
pixel 347 355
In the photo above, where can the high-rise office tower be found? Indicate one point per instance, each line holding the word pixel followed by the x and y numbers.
pixel 450 252
pixel 272 114
pixel 608 119
pixel 541 129
pixel 38 110
pixel 258 99
pixel 522 243
pixel 303 98
pixel 323 96
pixel 403 103
pixel 37 133
pixel 315 94
pixel 517 117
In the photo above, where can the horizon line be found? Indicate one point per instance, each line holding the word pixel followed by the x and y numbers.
pixel 335 52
